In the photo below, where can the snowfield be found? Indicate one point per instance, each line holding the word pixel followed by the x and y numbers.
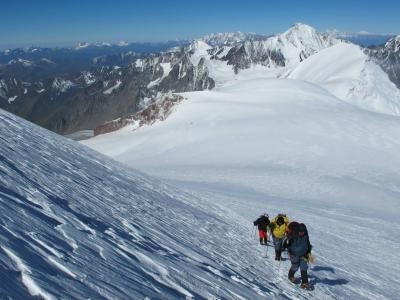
pixel 272 145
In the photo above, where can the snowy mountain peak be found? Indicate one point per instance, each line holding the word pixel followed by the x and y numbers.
pixel 302 35
pixel 199 44
pixel 285 50
pixel 301 28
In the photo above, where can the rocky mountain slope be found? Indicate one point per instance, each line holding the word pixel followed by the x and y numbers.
pixel 85 99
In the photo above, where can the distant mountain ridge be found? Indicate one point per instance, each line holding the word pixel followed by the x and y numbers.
pixel 44 86
pixel 363 38
pixel 230 38
pixel 86 99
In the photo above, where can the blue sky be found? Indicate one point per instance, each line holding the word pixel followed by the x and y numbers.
pixel 57 22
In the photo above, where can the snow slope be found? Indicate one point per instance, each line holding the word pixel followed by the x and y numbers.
pixel 76 225
pixel 347 72
pixel 266 144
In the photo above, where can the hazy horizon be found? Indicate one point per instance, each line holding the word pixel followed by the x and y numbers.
pixel 40 23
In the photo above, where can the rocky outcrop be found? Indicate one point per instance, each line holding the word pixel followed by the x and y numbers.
pixel 157 111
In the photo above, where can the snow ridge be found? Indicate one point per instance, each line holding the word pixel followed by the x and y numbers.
pixel 350 75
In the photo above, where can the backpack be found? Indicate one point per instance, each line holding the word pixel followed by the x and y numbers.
pixel 297 230
pixel 301 230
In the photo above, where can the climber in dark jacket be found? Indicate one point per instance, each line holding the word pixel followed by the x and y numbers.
pixel 262 223
pixel 298 244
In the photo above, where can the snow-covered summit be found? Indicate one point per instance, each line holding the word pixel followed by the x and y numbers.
pixel 198 49
pixel 283 50
pixel 302 35
pixel 299 42
pixel 198 46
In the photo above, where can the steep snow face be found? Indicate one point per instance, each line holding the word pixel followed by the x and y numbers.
pixel 197 50
pixel 76 225
pixel 347 72
pixel 166 68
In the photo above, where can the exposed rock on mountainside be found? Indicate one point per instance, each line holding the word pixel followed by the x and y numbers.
pixel 89 98
pixel 158 110
pixel 287 49
pixel 388 57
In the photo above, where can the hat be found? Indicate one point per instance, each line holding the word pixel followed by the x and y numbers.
pixel 280 220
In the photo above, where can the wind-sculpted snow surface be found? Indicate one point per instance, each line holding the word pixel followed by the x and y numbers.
pixel 77 225
pixel 284 145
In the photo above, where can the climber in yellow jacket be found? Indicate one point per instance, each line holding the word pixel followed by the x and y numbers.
pixel 278 227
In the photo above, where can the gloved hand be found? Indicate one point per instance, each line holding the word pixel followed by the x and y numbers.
pixel 309 258
pixel 285 244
